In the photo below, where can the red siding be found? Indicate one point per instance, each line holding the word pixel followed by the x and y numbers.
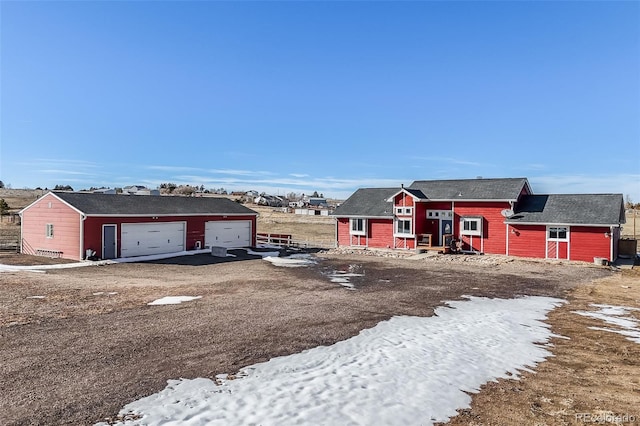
pixel 66 228
pixel 379 234
pixel 403 200
pixel 404 243
pixel 527 241
pixel 195 228
pixel 343 232
pixel 494 233
pixel 587 243
pixel 430 226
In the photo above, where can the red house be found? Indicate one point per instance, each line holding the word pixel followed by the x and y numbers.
pixel 68 225
pixel 495 216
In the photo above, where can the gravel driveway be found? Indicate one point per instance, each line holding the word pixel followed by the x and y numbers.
pixel 78 344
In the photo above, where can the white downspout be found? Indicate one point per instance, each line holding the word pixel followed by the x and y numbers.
pixel 83 217
pixel 21 224
pixel 611 244
pixel 506 249
pixel 453 224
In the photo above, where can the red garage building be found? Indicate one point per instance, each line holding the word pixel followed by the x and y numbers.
pixel 496 216
pixel 68 225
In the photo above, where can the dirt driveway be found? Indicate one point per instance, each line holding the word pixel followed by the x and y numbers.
pixel 78 344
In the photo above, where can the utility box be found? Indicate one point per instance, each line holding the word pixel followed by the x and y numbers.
pixel 218 251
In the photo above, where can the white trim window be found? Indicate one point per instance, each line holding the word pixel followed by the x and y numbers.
pixel 471 226
pixel 439 214
pixel 404 211
pixel 404 228
pixel 358 226
pixel 49 230
pixel 557 233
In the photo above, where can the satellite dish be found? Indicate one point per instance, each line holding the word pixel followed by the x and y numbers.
pixel 507 212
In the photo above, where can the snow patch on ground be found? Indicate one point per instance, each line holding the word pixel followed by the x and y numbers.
pixel 263 253
pixel 173 300
pixel 407 370
pixel 35 297
pixel 618 316
pixel 343 277
pixel 293 261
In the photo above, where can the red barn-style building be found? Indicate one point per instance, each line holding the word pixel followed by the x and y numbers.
pixel 69 225
pixel 494 216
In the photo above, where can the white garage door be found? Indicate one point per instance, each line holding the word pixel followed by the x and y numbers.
pixel 228 233
pixel 141 239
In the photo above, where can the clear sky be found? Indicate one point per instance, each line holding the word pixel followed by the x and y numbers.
pixel 327 96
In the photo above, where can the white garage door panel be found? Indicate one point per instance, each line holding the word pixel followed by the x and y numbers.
pixel 228 233
pixel 141 239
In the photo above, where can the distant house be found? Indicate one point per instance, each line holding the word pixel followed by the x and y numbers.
pixel 495 216
pixel 66 224
pixel 104 191
pixel 269 200
pixel 139 190
pixel 316 202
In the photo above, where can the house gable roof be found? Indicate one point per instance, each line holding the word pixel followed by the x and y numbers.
pixel 367 202
pixel 569 209
pixel 506 189
pixel 143 205
pixel 416 194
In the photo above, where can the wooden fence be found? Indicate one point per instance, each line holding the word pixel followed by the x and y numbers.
pixel 287 240
pixel 9 243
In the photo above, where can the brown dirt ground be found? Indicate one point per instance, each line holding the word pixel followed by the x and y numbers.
pixel 592 373
pixel 79 354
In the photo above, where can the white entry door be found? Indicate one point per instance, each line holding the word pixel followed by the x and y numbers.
pixel 141 239
pixel 228 233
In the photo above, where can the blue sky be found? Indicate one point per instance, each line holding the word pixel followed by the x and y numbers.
pixel 326 96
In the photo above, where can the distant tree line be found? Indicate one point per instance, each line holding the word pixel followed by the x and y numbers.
pixel 629 204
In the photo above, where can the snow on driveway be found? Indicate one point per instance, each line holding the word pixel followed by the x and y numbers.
pixel 407 370
pixel 41 268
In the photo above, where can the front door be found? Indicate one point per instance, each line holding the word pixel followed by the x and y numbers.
pixel 446 228
pixel 109 242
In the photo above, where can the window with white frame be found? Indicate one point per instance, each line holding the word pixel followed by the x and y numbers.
pixel 358 226
pixel 403 227
pixel 557 233
pixel 439 214
pixel 471 226
pixel 404 211
pixel 49 230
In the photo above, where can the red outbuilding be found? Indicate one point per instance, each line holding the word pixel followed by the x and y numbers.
pixel 77 225
pixel 494 216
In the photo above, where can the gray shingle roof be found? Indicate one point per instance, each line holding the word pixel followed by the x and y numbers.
pixel 471 189
pixel 368 202
pixel 110 204
pixel 578 209
pixel 416 193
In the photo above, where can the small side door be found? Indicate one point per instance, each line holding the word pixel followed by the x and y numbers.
pixel 109 242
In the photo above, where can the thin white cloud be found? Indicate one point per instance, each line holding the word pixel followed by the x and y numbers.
pixel 173 168
pixel 298 175
pixel 58 163
pixel 626 184
pixel 241 172
pixel 451 160
pixel 63 172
